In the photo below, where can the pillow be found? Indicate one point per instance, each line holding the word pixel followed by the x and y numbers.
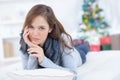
pixel 41 74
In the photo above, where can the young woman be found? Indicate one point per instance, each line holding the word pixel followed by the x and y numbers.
pixel 45 43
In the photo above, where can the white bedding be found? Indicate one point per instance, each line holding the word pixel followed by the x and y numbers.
pixel 104 65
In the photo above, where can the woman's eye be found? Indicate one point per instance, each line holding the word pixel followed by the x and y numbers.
pixel 31 26
pixel 41 28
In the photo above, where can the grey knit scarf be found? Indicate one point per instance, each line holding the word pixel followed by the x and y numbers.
pixel 52 50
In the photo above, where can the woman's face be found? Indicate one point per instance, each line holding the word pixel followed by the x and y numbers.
pixel 38 30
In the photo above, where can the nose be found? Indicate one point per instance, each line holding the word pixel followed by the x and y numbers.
pixel 36 32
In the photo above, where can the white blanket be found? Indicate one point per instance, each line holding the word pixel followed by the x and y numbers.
pixel 103 65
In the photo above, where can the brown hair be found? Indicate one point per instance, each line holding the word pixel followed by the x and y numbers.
pixel 48 14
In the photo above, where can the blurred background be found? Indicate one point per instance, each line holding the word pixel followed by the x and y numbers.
pixel 94 21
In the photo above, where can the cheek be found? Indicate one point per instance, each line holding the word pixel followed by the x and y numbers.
pixel 30 33
pixel 44 35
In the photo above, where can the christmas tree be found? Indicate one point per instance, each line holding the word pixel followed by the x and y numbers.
pixel 94 23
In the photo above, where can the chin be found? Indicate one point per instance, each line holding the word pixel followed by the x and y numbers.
pixel 36 43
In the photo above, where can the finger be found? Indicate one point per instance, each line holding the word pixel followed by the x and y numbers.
pixel 32 53
pixel 36 48
pixel 35 55
pixel 29 53
pixel 25 37
pixel 27 40
pixel 33 50
pixel 33 45
pixel 29 49
pixel 25 31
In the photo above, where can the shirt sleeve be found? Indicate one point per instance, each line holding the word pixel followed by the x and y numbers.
pixel 32 63
pixel 68 63
pixel 29 62
pixel 24 60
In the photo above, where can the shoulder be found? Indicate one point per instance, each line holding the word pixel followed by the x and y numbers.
pixel 64 36
pixel 66 39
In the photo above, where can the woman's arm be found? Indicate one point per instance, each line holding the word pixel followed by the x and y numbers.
pixel 69 59
pixel 24 58
pixel 67 63
pixel 29 62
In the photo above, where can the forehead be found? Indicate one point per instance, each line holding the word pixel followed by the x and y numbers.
pixel 39 20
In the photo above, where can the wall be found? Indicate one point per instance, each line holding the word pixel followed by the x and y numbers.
pixel 68 13
pixel 112 14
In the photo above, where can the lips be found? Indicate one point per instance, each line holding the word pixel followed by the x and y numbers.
pixel 35 39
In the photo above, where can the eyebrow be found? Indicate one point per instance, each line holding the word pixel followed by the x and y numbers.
pixel 41 26
pixel 38 26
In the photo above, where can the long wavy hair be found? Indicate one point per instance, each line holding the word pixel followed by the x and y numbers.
pixel 48 14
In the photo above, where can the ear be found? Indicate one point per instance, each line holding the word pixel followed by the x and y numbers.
pixel 50 30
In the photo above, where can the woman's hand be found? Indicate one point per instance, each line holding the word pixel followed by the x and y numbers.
pixel 36 51
pixel 26 37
